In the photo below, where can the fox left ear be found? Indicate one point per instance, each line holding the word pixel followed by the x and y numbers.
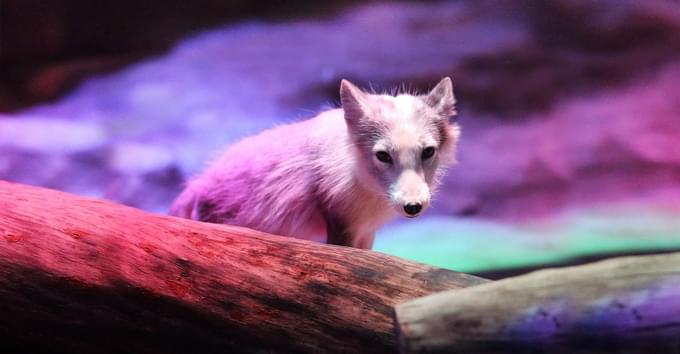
pixel 353 102
pixel 441 98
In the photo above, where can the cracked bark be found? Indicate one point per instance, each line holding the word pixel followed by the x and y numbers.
pixel 79 275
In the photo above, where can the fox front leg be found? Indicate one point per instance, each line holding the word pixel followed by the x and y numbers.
pixel 364 241
pixel 339 234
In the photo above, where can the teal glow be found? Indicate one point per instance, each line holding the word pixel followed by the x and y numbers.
pixel 474 245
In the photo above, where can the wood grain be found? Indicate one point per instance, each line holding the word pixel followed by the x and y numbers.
pixel 90 276
pixel 623 305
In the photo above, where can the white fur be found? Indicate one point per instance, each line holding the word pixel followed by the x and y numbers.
pixel 321 176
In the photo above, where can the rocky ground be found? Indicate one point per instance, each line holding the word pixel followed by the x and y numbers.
pixel 569 110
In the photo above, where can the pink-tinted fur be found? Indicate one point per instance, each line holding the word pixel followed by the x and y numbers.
pixel 302 179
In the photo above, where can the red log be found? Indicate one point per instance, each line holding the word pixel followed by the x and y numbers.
pixel 79 275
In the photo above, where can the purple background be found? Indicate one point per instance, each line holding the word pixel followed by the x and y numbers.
pixel 570 113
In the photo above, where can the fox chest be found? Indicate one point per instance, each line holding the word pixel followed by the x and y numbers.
pixel 369 216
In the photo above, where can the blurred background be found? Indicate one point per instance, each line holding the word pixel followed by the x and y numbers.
pixel 570 108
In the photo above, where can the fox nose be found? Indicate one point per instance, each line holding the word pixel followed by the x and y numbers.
pixel 413 208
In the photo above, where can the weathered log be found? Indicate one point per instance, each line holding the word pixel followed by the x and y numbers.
pixel 79 275
pixel 623 305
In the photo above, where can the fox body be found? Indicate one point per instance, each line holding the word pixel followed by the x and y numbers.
pixel 341 174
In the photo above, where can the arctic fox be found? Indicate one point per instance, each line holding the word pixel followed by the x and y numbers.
pixel 341 174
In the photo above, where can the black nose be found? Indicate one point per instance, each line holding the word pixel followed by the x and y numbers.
pixel 413 208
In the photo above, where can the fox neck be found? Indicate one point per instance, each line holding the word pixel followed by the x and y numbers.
pixel 370 206
pixel 347 186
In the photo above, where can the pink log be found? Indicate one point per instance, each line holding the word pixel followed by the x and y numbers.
pixel 89 276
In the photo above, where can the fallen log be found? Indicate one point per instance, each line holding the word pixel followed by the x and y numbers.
pixel 79 275
pixel 623 305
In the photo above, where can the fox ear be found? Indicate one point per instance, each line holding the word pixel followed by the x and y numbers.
pixel 441 98
pixel 353 102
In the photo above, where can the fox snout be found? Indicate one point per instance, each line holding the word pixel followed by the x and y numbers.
pixel 411 194
pixel 413 209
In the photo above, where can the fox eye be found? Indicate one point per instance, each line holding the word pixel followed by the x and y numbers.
pixel 427 153
pixel 383 156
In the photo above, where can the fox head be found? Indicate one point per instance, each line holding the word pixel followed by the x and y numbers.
pixel 403 142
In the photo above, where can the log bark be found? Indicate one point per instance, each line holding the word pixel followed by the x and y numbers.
pixel 79 275
pixel 623 305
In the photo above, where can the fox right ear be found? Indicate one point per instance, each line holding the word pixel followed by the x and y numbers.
pixel 441 98
pixel 353 102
